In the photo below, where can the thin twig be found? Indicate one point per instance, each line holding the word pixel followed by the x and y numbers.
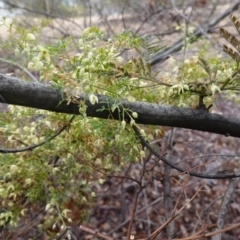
pixel 42 13
pixel 187 19
pixel 137 212
pixel 96 233
pixel 21 67
pixel 164 54
pixel 133 212
pixel 179 196
pixel 205 235
pixel 176 214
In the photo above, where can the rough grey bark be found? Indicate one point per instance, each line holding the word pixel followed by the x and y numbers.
pixel 43 96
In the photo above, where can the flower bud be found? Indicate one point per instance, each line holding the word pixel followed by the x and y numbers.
pixel 134 114
pixel 123 124
pixel 30 37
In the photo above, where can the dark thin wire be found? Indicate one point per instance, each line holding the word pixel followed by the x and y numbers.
pixel 2 150
pixel 195 174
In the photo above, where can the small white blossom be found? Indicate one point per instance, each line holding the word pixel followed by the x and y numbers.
pixel 39 65
pixel 142 132
pixel 30 37
pixel 175 69
pixel 132 122
pixel 214 89
pixel 44 54
pixel 119 59
pixel 135 115
pixel 28 181
pixel 171 60
pixel 31 65
pixel 180 87
pixel 93 99
pixel 48 206
pixel 131 99
pixel 90 54
pixel 123 124
pixel 142 153
pixel 81 72
pixel 87 31
pixel 16 52
pixel 74 75
pixel 80 42
pixel 13 168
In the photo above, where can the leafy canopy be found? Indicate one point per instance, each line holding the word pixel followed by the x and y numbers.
pixel 63 169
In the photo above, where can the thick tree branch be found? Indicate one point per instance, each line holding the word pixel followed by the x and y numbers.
pixel 43 96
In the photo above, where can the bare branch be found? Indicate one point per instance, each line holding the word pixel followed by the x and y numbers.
pixel 224 206
pixel 21 67
pixel 205 235
pixel 164 54
pixel 89 230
